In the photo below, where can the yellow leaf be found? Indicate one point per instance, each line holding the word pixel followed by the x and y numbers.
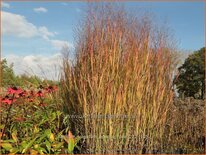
pixel 36 146
pixel 11 151
pixel 36 130
pixel 24 150
pixel 14 136
pixel 51 137
pixel 33 151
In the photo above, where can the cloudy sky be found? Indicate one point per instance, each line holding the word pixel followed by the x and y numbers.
pixel 34 33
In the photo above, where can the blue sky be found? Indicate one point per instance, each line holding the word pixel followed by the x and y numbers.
pixel 33 29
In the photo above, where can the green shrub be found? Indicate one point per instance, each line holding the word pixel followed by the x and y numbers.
pixel 31 122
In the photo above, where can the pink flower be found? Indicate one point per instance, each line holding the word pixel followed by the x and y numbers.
pixel 39 94
pixel 23 93
pixel 14 90
pixel 7 100
pixel 51 89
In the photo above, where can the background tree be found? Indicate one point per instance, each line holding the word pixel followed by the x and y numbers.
pixel 10 79
pixel 190 81
pixel 8 76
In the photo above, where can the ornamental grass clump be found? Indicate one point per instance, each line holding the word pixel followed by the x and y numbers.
pixel 118 90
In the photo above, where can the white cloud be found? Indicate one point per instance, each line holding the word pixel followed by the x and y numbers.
pixel 5 5
pixel 42 66
pixel 59 44
pixel 45 33
pixel 13 24
pixel 18 26
pixel 40 9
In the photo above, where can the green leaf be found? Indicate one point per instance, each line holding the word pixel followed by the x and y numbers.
pixel 41 150
pixel 14 150
pixel 71 146
pixel 6 146
pixel 36 129
pixel 58 145
pixel 53 116
pixel 58 113
pixel 77 140
pixel 71 142
pixel 48 132
pixel 41 137
pixel 48 145
pixel 29 145
pixel 8 140
pixel 60 134
pixel 23 144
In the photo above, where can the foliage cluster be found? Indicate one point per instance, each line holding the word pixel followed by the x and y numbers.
pixel 190 81
pixel 9 78
pixel 31 122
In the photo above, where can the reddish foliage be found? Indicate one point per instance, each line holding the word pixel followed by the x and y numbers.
pixel 14 93
pixel 20 119
pixel 14 90
pixel 39 94
pixel 51 89
pixel 23 93
pixel 7 100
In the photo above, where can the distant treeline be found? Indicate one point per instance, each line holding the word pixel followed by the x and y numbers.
pixel 9 78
